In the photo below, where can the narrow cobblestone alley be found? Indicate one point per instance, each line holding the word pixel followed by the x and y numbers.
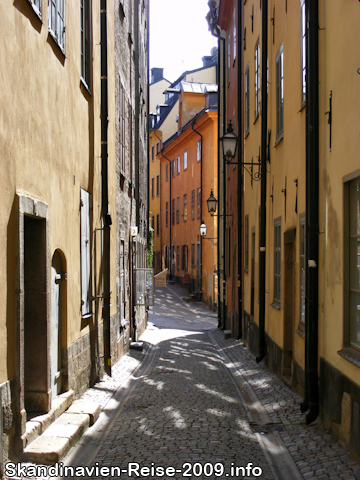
pixel 198 406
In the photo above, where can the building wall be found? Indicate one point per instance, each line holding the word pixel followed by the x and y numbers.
pixel 155 207
pixel 184 182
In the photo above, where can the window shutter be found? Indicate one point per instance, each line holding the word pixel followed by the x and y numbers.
pixel 85 252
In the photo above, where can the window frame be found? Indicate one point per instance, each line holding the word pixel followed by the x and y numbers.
pixel 185 207
pixel 277 261
pixel 257 80
pixel 198 205
pixel 166 214
pixel 198 151
pixel 36 5
pixel 178 165
pixel 177 209
pixel 246 244
pixel 158 184
pixel 279 87
pixel 303 67
pixel 247 100
pixel 85 44
pixel 185 158
pixel 54 27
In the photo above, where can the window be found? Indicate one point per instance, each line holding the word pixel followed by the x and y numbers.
pixel 352 264
pixel 302 269
pixel 166 257
pixel 157 147
pixel 173 168
pixel 157 225
pixel 246 232
pixel 198 151
pixel 257 79
pixel 152 187
pixel 167 214
pixel 122 127
pixel 198 202
pixel 157 184
pixel 85 45
pixel 173 211
pixel 36 5
pixel 185 207
pixel 234 35
pixel 193 254
pixel 177 165
pixel 56 21
pixel 153 153
pixel 247 101
pixel 153 222
pixel 178 210
pixel 192 204
pixel 185 160
pixel 184 257
pixel 279 93
pixel 303 51
pixel 166 172
pixel 277 260
pixel 178 258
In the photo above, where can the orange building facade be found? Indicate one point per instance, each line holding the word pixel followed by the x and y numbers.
pixel 188 174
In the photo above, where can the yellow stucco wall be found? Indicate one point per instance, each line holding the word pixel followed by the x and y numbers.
pixel 48 120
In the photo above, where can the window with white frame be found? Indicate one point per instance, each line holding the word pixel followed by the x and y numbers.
pixel 185 160
pixel 36 5
pixel 85 41
pixel 177 165
pixel 173 168
pixel 257 79
pixel 303 50
pixel 56 21
pixel 280 93
pixel 352 264
pixel 198 151
pixel 277 260
pixel 247 100
pixel 234 36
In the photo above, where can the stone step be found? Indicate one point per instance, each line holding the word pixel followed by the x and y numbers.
pixel 53 444
pixel 227 334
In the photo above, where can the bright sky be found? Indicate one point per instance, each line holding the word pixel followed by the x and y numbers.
pixel 179 35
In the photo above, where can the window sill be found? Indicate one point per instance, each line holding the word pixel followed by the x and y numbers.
pixel 247 133
pixel 275 305
pixel 35 10
pixel 351 355
pixel 279 138
pixel 300 333
pixel 54 39
pixel 256 118
pixel 85 85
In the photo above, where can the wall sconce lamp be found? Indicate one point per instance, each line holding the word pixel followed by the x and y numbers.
pixel 229 143
pixel 211 205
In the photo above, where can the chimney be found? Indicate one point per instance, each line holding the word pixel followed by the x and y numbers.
pixel 157 74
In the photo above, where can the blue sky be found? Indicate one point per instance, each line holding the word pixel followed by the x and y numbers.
pixel 179 35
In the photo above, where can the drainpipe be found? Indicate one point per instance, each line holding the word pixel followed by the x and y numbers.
pixel 201 202
pixel 170 216
pixel 262 253
pixel 311 400
pixel 240 171
pixel 223 326
pixel 137 153
pixel 104 186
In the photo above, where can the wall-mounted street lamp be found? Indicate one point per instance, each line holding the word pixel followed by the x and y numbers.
pixel 203 229
pixel 211 205
pixel 229 143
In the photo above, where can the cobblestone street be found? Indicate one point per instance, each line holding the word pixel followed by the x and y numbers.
pixel 200 404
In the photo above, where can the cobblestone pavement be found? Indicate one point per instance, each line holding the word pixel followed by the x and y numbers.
pixel 185 408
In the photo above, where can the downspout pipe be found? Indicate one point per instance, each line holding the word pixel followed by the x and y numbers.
pixel 262 253
pixel 240 172
pixel 311 400
pixel 170 216
pixel 201 201
pixel 104 185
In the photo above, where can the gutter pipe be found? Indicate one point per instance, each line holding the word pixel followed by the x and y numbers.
pixel 104 186
pixel 311 399
pixel 240 173
pixel 262 253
